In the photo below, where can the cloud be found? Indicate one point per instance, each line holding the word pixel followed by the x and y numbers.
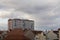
pixel 3 24
pixel 43 12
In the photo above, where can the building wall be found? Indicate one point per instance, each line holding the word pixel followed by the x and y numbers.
pixel 10 23
pixel 17 24
pixel 29 24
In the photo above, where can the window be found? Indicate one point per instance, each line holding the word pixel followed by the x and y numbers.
pixel 15 23
pixel 32 25
pixel 23 24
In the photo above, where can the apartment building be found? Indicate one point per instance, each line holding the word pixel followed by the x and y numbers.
pixel 20 23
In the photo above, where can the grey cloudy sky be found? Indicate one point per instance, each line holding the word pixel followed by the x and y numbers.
pixel 45 13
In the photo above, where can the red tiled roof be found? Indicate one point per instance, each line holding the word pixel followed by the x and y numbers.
pixel 16 34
